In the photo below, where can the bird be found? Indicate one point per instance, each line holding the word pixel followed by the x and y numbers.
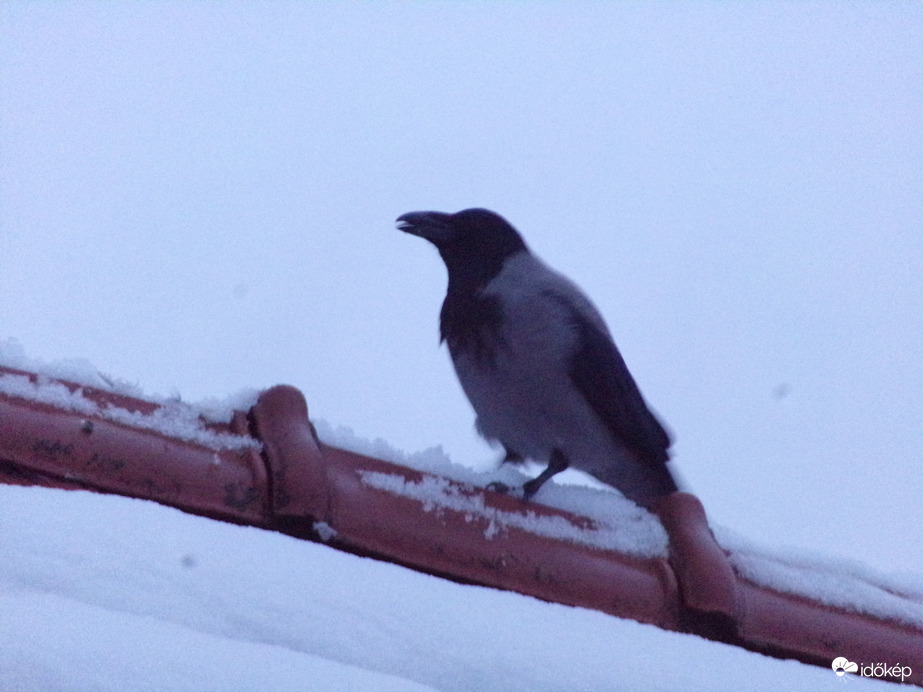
pixel 537 361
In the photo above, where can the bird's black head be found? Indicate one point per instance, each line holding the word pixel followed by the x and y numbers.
pixel 474 243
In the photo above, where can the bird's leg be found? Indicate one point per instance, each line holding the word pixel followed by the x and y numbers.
pixel 557 463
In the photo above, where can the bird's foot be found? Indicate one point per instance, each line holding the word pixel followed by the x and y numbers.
pixel 499 487
pixel 531 487
pixel 519 492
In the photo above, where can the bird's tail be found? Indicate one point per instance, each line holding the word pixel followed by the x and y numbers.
pixel 639 482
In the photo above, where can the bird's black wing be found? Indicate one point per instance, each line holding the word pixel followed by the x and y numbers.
pixel 600 373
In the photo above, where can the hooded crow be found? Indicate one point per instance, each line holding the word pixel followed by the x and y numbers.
pixel 537 361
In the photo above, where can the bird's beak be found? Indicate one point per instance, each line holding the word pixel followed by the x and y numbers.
pixel 430 225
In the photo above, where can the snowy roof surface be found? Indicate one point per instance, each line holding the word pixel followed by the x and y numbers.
pixel 620 525
pixel 615 523
pixel 606 521
pixel 171 416
pixel 110 593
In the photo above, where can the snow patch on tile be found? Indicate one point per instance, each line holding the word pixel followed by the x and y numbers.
pixel 172 417
pixel 827 579
pixel 81 372
pixel 638 537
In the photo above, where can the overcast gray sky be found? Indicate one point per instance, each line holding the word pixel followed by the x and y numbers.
pixel 199 197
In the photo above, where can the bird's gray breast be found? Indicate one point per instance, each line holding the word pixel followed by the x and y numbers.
pixel 523 394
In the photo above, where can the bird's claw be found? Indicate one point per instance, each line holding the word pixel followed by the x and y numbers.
pixel 499 487
pixel 520 492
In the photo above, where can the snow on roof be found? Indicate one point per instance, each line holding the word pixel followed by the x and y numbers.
pixel 631 532
pixel 171 416
pixel 828 579
pixel 603 519
pixel 620 525
pixel 614 522
pixel 76 370
pixel 110 593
